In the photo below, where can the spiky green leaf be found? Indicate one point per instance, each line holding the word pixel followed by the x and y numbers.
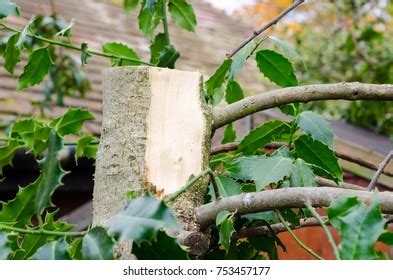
pixel 226 231
pixel 163 247
pixel 277 68
pixel 54 250
pixel 157 47
pixel 140 219
pixel 36 69
pixel 316 126
pixel 229 134
pixel 98 245
pixel 7 154
pixel 227 186
pixel 128 55
pixel 218 78
pixel 234 92
pixel 183 14
pixel 11 54
pixel 240 58
pixel 302 175
pixel 86 147
pixel 168 57
pixel 71 121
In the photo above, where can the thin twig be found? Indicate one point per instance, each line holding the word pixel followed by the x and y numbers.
pixel 298 241
pixel 42 231
pixel 76 48
pixel 190 183
pixel 326 229
pixel 381 167
pixel 267 26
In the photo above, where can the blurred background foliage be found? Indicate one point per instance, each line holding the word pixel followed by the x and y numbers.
pixel 340 41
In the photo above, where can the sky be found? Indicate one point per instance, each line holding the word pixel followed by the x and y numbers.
pixel 229 5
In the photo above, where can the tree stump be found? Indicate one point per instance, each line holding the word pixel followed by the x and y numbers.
pixel 155 135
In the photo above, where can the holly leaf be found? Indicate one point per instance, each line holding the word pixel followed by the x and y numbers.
pixel 163 247
pixel 140 219
pixel 317 153
pixel 226 231
pixel 316 126
pixel 75 249
pixel 98 245
pixel 261 136
pixel 86 147
pixel 386 238
pixel 52 174
pixel 359 225
pixel 277 68
pixel 5 247
pixel 271 170
pixel 71 121
pixel 302 175
pixel 54 250
pixel 222 216
pixel 36 69
pixel 229 134
pixel 243 167
pixel 183 14
pixel 149 18
pixel 218 77
pixel 7 153
pixel 158 46
pixel 227 186
pixel 128 55
pixel 240 58
pixel 168 57
pixel 234 92
pixel 20 210
pixel 8 8
pixel 11 54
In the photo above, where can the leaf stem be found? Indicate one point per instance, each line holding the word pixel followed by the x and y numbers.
pixel 298 241
pixel 192 182
pixel 76 48
pixel 42 231
pixel 165 22
pixel 326 229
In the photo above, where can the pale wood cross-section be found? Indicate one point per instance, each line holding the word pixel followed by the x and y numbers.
pixel 156 132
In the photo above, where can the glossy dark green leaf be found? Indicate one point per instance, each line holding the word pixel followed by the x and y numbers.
pixel 243 167
pixel 163 247
pixel 8 8
pixel 71 121
pixel 11 54
pixel 226 231
pixel 240 58
pixel 262 136
pixel 359 225
pixel 168 57
pixel 31 243
pixel 75 249
pixel 36 69
pixel 229 134
pixel 317 153
pixel 7 153
pixel 271 170
pixel 140 219
pixel 148 19
pixel 5 248
pixel 158 46
pixel 277 68
pixel 54 250
pixel 316 126
pixel 265 244
pixel 98 245
pixel 128 55
pixel 130 5
pixel 183 14
pixel 20 210
pixel 290 109
pixel 227 186
pixel 222 216
pixel 234 92
pixel 52 174
pixel 386 238
pixel 290 216
pixel 283 152
pixel 218 78
pixel 86 147
pixel 302 175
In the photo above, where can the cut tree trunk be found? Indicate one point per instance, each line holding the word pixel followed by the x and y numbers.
pixel 155 135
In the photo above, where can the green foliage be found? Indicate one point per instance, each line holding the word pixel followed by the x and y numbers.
pixel 71 122
pixel 122 50
pixel 97 245
pixel 54 250
pixel 86 147
pixel 140 219
pixel 240 58
pixel 320 156
pixel 168 57
pixel 130 5
pixel 157 47
pixel 5 248
pixel 234 92
pixel 229 134
pixel 302 175
pixel 8 8
pixel 218 78
pixel 162 247
pixel 316 126
pixel 36 69
pixel 7 153
pixel 271 170
pixel 277 68
pixel 11 54
pixel 224 221
pixel 227 186
pixel 183 14
pixel 360 225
